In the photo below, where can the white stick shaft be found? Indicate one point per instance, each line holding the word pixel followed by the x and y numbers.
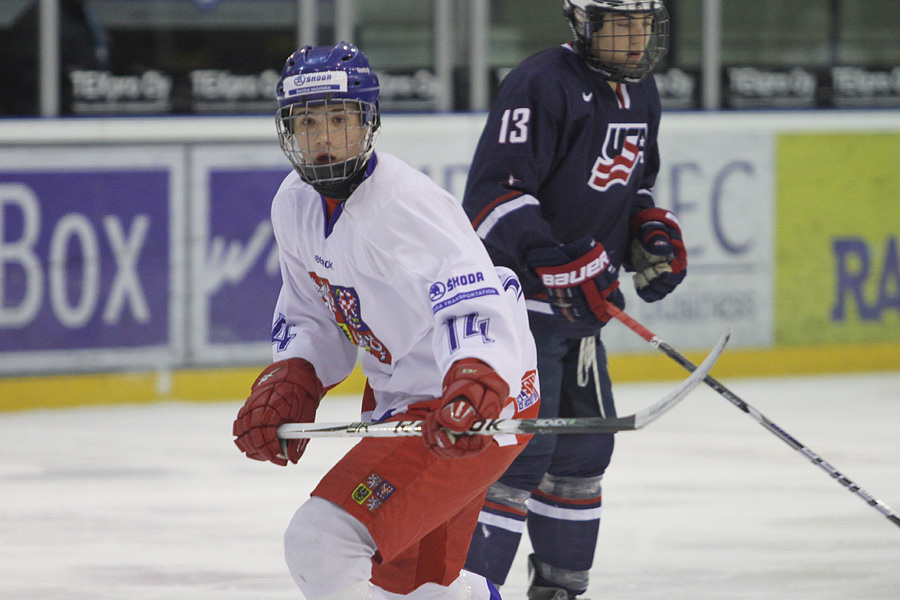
pixel 558 425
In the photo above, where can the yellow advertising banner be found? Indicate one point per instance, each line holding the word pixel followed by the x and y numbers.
pixel 837 238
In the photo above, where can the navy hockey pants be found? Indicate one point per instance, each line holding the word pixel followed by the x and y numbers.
pixel 561 395
pixel 561 473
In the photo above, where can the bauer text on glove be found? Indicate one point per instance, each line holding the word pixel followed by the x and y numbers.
pixel 581 280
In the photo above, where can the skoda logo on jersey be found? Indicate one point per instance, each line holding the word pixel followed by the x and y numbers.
pixel 468 279
pixel 437 291
pixel 439 288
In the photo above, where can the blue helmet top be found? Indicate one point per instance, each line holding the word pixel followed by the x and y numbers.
pixel 327 72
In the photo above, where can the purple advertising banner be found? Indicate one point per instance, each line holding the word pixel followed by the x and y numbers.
pixel 96 274
pixel 243 296
pixel 87 261
pixel 235 275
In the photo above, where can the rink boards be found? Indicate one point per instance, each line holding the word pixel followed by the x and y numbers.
pixel 137 260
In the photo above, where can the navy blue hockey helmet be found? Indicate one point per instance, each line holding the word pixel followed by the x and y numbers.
pixel 328 152
pixel 621 39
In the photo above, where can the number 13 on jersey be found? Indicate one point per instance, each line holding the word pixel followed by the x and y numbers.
pixel 514 125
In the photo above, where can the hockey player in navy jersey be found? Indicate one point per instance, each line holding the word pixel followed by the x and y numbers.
pixel 560 191
pixel 376 257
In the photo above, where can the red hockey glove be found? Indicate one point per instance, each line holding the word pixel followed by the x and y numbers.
pixel 580 279
pixel 657 255
pixel 472 391
pixel 287 391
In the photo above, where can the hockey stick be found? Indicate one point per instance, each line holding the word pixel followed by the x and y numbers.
pixel 632 422
pixel 784 436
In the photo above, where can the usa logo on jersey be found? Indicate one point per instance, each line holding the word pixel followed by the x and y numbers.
pixel 622 151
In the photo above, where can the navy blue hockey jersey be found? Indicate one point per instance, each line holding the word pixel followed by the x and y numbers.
pixel 562 156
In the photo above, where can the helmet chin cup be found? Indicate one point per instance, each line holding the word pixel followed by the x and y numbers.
pixel 330 176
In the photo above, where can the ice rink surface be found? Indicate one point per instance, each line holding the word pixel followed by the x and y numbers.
pixel 152 502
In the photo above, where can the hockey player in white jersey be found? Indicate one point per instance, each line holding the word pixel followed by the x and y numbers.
pixel 375 256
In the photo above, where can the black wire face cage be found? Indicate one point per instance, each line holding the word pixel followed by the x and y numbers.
pixel 328 141
pixel 624 46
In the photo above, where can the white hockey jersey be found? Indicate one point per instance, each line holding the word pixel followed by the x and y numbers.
pixel 399 272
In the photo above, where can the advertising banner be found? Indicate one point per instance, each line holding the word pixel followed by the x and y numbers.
pixel 752 87
pixel 219 91
pixel 235 275
pixel 102 93
pixel 838 240
pixel 678 89
pixel 91 258
pixel 126 257
pixel 720 186
pixel 721 190
pixel 222 92
pixel 860 87
pixel 442 148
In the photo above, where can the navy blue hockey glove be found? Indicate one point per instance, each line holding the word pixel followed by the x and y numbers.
pixel 657 254
pixel 580 279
